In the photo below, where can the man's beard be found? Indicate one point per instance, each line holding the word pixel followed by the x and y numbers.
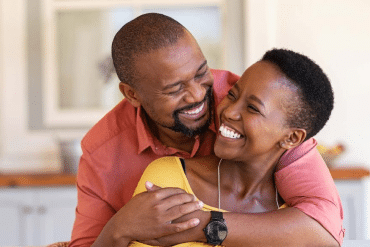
pixel 180 127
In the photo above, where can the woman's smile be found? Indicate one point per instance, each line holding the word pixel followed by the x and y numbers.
pixel 229 132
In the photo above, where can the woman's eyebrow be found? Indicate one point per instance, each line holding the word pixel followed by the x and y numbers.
pixel 255 98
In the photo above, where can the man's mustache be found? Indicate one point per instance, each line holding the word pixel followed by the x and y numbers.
pixel 194 105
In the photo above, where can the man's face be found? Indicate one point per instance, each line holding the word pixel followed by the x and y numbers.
pixel 175 87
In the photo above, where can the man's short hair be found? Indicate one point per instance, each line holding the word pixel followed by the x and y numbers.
pixel 145 33
pixel 314 90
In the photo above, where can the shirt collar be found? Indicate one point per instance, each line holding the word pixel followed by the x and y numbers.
pixel 144 136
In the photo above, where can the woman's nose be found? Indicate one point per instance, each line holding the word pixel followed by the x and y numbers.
pixel 232 112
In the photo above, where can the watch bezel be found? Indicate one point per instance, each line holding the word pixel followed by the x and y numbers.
pixel 213 230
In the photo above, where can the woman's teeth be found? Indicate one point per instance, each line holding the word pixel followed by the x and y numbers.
pixel 196 110
pixel 228 132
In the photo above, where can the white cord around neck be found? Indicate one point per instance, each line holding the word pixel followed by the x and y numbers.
pixel 219 188
pixel 219 185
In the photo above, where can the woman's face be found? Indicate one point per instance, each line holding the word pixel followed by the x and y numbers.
pixel 252 115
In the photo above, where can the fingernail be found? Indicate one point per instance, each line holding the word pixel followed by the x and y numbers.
pixel 195 222
pixel 149 184
pixel 201 204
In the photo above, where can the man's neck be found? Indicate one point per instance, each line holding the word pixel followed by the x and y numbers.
pixel 171 138
pixel 176 140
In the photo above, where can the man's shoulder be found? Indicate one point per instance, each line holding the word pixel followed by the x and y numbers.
pixel 224 77
pixel 118 121
pixel 223 82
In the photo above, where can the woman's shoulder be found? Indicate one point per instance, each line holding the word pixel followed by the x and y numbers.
pixel 163 172
pixel 169 165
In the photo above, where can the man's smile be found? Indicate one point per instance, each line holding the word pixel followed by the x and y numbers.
pixel 195 110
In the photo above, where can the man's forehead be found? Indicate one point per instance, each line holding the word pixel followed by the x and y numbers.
pixel 169 66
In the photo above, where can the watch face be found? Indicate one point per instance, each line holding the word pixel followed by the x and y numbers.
pixel 216 231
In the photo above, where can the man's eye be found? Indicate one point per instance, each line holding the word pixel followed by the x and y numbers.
pixel 176 91
pixel 201 74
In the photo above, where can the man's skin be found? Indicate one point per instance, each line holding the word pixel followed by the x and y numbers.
pixel 172 78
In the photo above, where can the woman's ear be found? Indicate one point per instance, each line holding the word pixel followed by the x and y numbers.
pixel 295 138
pixel 130 94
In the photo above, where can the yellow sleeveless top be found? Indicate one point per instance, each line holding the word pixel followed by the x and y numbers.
pixel 168 172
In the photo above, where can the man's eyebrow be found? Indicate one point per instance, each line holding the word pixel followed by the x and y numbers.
pixel 202 65
pixel 179 82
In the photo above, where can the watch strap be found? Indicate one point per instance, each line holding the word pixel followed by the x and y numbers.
pixel 216 215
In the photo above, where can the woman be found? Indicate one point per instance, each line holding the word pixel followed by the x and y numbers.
pixel 279 102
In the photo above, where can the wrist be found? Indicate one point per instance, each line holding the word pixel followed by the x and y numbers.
pixel 216 230
pixel 114 235
pixel 204 219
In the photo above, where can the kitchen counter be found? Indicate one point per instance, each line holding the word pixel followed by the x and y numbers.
pixel 57 179
pixel 349 173
pixel 70 179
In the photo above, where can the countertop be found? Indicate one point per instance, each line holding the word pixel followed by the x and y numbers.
pixel 60 179
pixel 57 179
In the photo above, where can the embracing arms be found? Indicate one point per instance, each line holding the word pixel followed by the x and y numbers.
pixel 313 219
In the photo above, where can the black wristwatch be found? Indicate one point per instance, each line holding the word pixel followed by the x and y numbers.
pixel 216 229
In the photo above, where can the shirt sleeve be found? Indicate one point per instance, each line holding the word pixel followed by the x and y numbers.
pixel 92 212
pixel 304 182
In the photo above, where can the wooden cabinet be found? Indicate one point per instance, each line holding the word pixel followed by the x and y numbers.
pixel 353 188
pixel 41 209
pixel 36 216
pixel 353 194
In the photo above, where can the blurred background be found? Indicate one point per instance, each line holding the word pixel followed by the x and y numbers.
pixel 56 81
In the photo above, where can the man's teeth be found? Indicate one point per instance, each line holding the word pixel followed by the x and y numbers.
pixel 229 133
pixel 195 111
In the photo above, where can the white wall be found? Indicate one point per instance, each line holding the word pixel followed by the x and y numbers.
pixel 1 74
pixel 22 150
pixel 335 34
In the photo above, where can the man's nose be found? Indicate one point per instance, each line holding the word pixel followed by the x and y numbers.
pixel 195 93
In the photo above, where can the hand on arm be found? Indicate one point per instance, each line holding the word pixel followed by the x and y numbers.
pixel 284 227
pixel 147 216
pixel 305 184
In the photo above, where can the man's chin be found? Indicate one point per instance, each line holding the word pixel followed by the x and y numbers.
pixel 192 131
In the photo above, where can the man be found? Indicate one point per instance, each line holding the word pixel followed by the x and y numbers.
pixel 170 100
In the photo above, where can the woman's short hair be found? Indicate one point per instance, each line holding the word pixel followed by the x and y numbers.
pixel 314 90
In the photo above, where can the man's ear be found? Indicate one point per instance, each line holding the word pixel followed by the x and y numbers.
pixel 130 94
pixel 296 137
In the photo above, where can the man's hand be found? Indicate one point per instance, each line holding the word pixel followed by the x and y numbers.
pixel 195 234
pixel 148 216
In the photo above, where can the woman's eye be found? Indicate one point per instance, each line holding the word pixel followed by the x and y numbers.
pixel 253 108
pixel 231 95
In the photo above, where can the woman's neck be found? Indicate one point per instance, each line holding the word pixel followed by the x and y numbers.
pixel 244 187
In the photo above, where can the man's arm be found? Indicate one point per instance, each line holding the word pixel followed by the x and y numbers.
pixel 145 216
pixel 305 183
pixel 148 215
pixel 314 217
pixel 284 227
